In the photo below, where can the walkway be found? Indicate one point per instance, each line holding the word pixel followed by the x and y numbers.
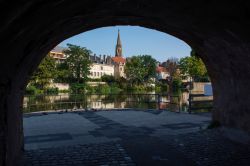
pixel 127 138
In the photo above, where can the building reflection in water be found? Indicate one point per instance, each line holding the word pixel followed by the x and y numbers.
pixel 67 101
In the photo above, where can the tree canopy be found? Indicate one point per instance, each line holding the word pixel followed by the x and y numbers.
pixel 108 78
pixel 140 69
pixel 63 73
pixel 78 62
pixel 172 66
pixel 193 66
pixel 44 74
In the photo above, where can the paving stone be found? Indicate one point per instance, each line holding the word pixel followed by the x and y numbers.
pixel 81 155
pixel 156 144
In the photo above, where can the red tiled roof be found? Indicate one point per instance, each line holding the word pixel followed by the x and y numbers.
pixel 160 69
pixel 119 59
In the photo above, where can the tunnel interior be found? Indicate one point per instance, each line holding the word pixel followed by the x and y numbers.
pixel 218 31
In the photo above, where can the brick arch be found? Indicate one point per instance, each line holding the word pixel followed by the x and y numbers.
pixel 218 31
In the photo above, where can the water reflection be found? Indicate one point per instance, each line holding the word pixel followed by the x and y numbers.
pixel 175 102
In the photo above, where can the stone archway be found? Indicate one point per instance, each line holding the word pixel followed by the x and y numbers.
pixel 218 31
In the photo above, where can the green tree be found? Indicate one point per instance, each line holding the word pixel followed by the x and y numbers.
pixel 44 74
pixel 193 66
pixel 78 63
pixel 134 70
pixel 140 69
pixel 108 78
pixel 173 79
pixel 150 65
pixel 63 73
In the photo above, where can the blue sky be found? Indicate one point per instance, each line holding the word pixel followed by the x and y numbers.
pixel 135 41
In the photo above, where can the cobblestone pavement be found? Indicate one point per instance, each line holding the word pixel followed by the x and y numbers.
pixel 210 147
pixel 133 138
pixel 93 154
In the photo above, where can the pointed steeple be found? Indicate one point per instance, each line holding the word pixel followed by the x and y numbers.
pixel 118 49
pixel 119 43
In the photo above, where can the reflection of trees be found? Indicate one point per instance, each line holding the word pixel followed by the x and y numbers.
pixel 117 99
pixel 141 101
pixel 77 98
pixel 39 103
pixel 126 100
pixel 39 99
pixel 67 101
pixel 77 101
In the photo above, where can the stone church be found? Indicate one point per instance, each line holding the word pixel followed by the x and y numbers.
pixel 118 61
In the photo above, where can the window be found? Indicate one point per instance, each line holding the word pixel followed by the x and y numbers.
pixel 101 67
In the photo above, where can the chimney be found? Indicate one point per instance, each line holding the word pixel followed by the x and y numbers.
pixel 100 59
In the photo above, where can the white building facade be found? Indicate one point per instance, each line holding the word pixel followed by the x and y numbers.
pixel 161 73
pixel 98 70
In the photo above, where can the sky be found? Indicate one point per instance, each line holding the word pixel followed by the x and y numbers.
pixel 135 41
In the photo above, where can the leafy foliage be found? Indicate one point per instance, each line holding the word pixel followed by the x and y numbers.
pixel 62 73
pixel 176 83
pixel 173 80
pixel 52 90
pixel 31 90
pixel 78 67
pixel 150 64
pixel 44 74
pixel 78 63
pixel 75 69
pixel 193 66
pixel 140 69
pixel 108 78
pixel 161 87
pixel 77 88
pixel 172 68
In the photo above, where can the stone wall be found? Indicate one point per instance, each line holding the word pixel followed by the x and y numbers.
pixel 3 126
pixel 11 127
pixel 60 86
pixel 96 83
pixel 199 87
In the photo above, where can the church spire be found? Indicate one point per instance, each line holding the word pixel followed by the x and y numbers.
pixel 118 49
pixel 118 39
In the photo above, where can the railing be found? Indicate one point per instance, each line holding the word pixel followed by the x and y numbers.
pixel 200 102
pixel 73 101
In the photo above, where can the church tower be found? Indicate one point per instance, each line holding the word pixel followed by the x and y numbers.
pixel 118 60
pixel 118 48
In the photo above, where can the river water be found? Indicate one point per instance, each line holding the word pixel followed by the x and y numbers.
pixel 105 101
